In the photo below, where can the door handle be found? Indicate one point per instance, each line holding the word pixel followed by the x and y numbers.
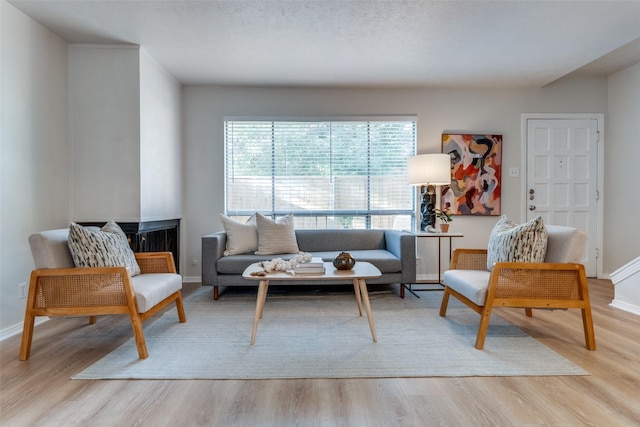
pixel 532 208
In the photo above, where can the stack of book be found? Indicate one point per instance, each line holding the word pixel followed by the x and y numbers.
pixel 315 266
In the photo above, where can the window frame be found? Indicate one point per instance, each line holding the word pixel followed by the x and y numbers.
pixel 326 214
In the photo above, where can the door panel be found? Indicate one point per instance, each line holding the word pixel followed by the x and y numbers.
pixel 562 165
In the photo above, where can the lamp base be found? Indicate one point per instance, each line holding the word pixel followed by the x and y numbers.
pixel 427 207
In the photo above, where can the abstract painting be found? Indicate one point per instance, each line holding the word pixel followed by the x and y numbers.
pixel 476 172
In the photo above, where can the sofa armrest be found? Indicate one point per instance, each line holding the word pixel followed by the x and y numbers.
pixel 403 245
pixel 469 259
pixel 213 246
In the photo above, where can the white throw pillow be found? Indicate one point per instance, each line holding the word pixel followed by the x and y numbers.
pixel 107 247
pixel 509 242
pixel 242 238
pixel 276 237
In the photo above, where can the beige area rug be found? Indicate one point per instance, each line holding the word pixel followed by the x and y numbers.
pixel 322 336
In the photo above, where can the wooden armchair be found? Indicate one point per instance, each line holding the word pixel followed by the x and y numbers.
pixel 57 288
pixel 559 282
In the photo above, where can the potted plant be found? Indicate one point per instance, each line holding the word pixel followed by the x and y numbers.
pixel 445 218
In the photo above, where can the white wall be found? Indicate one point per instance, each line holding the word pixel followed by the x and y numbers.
pixel 125 135
pixel 438 111
pixel 622 154
pixel 622 199
pixel 104 92
pixel 34 150
pixel 160 142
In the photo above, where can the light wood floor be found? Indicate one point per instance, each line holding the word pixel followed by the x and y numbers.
pixel 38 392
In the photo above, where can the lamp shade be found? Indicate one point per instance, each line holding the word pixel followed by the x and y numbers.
pixel 425 169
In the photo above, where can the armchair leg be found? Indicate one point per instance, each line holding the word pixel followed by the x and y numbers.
pixel 445 302
pixel 485 316
pixel 528 312
pixel 92 320
pixel 138 334
pixel 589 335
pixel 180 307
pixel 27 336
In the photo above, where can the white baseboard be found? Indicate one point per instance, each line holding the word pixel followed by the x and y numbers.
pixel 17 328
pixel 625 306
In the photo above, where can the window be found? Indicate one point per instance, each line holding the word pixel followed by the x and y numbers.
pixel 329 174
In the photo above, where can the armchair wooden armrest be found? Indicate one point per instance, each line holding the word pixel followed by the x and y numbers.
pixel 79 291
pixel 90 291
pixel 538 285
pixel 469 259
pixel 156 262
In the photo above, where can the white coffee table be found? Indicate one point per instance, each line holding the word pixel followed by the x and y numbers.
pixel 358 275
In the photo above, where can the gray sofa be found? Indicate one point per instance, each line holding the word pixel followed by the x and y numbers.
pixel 392 251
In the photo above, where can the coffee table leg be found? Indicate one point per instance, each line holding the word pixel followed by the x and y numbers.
pixel 356 288
pixel 260 301
pixel 367 306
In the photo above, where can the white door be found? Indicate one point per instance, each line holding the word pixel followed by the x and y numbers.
pixel 562 177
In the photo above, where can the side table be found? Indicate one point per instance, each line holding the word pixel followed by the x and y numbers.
pixel 435 235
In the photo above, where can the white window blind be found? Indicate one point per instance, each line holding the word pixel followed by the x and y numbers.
pixel 329 174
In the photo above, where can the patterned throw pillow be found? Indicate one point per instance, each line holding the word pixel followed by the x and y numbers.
pixel 276 237
pixel 242 238
pixel 107 247
pixel 509 242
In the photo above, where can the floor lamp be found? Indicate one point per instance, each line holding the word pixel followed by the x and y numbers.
pixel 428 171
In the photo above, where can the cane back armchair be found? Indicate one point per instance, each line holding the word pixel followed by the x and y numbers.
pixel 58 288
pixel 559 282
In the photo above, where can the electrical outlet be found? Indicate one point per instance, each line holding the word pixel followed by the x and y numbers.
pixel 22 291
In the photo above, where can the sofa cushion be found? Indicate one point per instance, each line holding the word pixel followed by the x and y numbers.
pixel 151 288
pixel 510 242
pixel 242 237
pixel 384 260
pixel 107 247
pixel 340 240
pixel 276 237
pixel 472 284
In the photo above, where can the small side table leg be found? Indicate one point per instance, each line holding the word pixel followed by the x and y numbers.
pixel 356 288
pixel 367 306
pixel 260 301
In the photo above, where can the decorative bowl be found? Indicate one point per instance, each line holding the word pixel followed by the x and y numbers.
pixel 344 261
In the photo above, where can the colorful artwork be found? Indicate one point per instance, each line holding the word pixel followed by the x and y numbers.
pixel 476 172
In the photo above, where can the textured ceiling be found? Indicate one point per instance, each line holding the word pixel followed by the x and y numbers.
pixel 328 43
